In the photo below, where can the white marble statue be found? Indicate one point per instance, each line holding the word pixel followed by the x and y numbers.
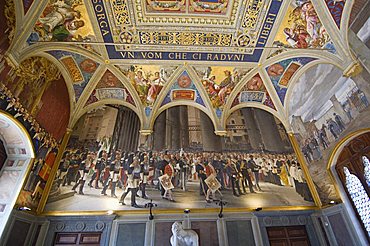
pixel 183 237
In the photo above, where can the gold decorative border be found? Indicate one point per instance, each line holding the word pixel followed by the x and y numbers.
pixel 176 211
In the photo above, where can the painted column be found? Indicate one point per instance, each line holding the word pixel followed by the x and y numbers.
pixel 53 171
pixel 159 137
pixel 184 127
pixel 253 131
pixel 211 142
pixel 339 109
pixel 174 121
pixel 133 133
pixel 126 131
pixel 168 131
pixel 269 132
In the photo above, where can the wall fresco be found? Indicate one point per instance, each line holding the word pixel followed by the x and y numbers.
pixel 148 80
pixel 34 185
pixel 95 175
pixel 302 28
pixel 219 82
pixel 45 147
pixel 281 72
pixel 321 122
pixel 54 109
pixel 254 91
pixel 109 87
pixel 79 67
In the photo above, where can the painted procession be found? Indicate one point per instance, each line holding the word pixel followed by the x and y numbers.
pixel 167 177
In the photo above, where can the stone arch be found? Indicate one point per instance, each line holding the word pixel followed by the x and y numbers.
pixel 182 103
pixel 281 118
pixel 335 176
pixel 20 152
pixel 100 103
pixel 195 82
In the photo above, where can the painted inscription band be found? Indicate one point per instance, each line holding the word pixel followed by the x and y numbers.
pixel 264 34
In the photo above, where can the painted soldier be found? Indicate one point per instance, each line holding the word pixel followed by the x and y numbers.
pixel 99 167
pixel 133 180
pixel 114 167
pixel 253 169
pixel 233 174
pixel 144 173
pixel 201 170
pixel 83 171
pixel 170 172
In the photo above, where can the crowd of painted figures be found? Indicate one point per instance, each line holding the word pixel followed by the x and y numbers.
pixel 165 171
pixel 335 125
pixel 12 105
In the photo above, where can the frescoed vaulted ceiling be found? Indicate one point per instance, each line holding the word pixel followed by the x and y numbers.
pixel 215 54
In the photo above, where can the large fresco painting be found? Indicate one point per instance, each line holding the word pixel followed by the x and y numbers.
pixel 65 20
pixel 321 122
pixel 95 176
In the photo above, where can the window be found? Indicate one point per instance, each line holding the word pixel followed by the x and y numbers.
pixel 359 197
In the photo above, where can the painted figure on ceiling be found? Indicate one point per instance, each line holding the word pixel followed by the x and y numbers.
pixel 219 84
pixel 156 86
pixel 60 21
pixel 148 81
pixel 304 28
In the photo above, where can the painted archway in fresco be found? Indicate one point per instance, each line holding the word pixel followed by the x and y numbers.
pixel 329 118
pixel 20 154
